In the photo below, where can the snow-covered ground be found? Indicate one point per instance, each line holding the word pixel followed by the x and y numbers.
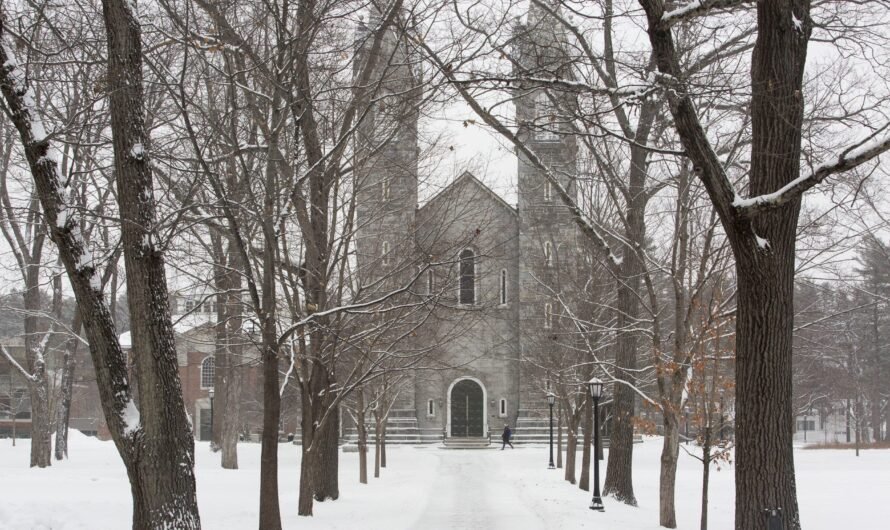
pixel 431 488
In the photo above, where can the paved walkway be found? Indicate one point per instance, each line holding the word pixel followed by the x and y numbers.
pixel 470 491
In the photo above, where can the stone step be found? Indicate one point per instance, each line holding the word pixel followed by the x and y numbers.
pixel 467 443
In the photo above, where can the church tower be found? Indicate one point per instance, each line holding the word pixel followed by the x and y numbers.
pixel 385 159
pixel 547 232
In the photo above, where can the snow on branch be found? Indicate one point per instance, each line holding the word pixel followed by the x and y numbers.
pixel 852 157
pixel 698 7
pixel 27 375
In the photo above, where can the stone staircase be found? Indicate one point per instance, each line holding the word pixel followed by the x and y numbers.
pixel 533 424
pixel 401 429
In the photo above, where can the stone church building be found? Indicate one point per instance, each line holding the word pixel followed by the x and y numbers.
pixel 500 275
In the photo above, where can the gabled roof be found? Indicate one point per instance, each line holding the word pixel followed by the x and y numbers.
pixel 469 178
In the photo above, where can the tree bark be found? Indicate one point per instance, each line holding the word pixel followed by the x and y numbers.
pixel 325 484
pixel 706 475
pixel 670 451
pixel 559 438
pixel 571 447
pixel 584 481
pixel 63 410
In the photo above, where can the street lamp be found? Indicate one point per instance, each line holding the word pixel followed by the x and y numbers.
pixel 595 386
pixel 551 399
pixel 210 393
pixel 686 415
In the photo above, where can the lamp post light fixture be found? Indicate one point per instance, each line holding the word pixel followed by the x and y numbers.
pixel 210 393
pixel 595 386
pixel 551 399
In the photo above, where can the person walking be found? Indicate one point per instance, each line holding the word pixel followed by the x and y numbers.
pixel 506 437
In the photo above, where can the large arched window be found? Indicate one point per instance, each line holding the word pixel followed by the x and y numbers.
pixel 467 277
pixel 208 372
pixel 545 119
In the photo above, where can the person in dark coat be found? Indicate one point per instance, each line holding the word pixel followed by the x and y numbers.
pixel 506 437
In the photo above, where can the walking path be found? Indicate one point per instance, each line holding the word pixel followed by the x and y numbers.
pixel 471 491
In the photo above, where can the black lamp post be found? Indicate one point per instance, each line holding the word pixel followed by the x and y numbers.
pixel 551 399
pixel 595 386
pixel 686 416
pixel 210 393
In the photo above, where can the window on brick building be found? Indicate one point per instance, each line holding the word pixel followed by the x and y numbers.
pixel 548 254
pixel 545 119
pixel 430 408
pixel 208 372
pixel 503 287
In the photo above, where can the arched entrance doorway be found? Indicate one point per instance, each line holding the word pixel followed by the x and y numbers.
pixel 466 409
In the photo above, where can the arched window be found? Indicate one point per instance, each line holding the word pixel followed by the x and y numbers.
pixel 503 286
pixel 548 254
pixel 467 277
pixel 545 119
pixel 384 252
pixel 548 316
pixel 208 372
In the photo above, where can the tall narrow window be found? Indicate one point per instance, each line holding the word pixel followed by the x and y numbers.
pixel 548 191
pixel 430 408
pixel 430 282
pixel 384 188
pixel 467 277
pixel 548 316
pixel 208 372
pixel 384 253
pixel 548 254
pixel 545 119
pixel 502 409
pixel 503 281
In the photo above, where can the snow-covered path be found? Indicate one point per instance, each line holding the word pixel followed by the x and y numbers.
pixel 472 490
pixel 428 488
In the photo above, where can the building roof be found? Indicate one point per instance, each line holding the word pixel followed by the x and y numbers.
pixel 468 178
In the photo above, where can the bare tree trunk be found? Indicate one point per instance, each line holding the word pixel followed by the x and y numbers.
pixel 571 447
pixel 584 481
pixel 383 442
pixel 669 455
pixel 706 475
pixel 362 432
pixel 63 410
pixel 377 438
pixel 324 483
pixel 559 438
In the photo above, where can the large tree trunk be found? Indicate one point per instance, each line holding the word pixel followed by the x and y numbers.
pixel 270 511
pixel 584 481
pixel 670 451
pixel 163 488
pixel 571 448
pixel 38 384
pixel 362 432
pixel 63 410
pixel 154 441
pixel 324 483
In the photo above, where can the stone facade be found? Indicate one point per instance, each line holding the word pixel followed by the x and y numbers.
pixel 518 255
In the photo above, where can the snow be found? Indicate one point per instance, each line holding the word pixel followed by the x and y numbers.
pixel 681 11
pixel 430 488
pixel 797 23
pixel 131 418
pixel 137 151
